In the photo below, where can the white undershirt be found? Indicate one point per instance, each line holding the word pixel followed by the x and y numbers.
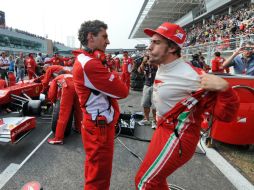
pixel 173 82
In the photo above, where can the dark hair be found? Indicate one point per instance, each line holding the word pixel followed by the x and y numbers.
pixel 195 56
pixel 172 44
pixel 90 26
pixel 217 53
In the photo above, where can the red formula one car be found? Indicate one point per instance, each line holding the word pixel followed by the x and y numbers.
pixel 22 97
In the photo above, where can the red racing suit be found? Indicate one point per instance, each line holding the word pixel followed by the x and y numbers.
pixel 126 69
pixel 30 65
pixel 217 64
pixel 55 60
pixel 11 79
pixel 175 140
pixel 62 87
pixel 98 91
pixel 2 84
pixel 117 64
pixel 49 74
pixel 111 63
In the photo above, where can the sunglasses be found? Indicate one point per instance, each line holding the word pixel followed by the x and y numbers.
pixel 248 48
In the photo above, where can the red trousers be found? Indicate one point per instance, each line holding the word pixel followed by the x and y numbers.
pixel 69 100
pixel 163 156
pixel 126 78
pixel 2 84
pixel 31 73
pixel 99 146
pixel 12 79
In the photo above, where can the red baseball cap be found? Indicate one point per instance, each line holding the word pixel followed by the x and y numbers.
pixel 170 31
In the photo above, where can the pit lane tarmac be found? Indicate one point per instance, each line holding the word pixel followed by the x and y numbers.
pixel 61 166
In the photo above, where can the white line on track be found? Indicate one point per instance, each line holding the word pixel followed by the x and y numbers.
pixel 239 181
pixel 12 169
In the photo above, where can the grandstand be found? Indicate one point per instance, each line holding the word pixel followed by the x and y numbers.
pixel 211 25
pixel 15 40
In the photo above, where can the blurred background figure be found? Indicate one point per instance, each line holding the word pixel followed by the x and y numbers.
pixel 20 65
pixel 149 70
pixel 30 66
pixel 126 68
pixel 242 59
pixel 217 64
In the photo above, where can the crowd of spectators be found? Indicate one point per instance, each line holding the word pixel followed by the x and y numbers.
pixel 223 28
pixel 26 33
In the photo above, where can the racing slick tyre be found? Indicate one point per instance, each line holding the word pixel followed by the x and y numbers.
pixel 32 107
pixel 55 116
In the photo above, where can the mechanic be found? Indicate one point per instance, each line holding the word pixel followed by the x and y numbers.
pixel 126 68
pixel 30 65
pixel 62 88
pixel 176 137
pixel 55 60
pixel 110 62
pixel 98 90
pixel 2 84
pixel 49 72
pixel 117 64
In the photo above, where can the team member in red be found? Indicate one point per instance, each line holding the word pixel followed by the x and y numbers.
pixel 175 140
pixel 11 79
pixel 2 84
pixel 69 61
pixel 217 63
pixel 62 88
pixel 98 90
pixel 55 60
pixel 126 68
pixel 31 65
pixel 117 64
pixel 110 62
pixel 50 70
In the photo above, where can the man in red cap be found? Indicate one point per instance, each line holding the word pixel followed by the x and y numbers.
pixel 98 90
pixel 181 94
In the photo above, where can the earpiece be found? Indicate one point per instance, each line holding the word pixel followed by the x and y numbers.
pixel 100 55
pixel 97 54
